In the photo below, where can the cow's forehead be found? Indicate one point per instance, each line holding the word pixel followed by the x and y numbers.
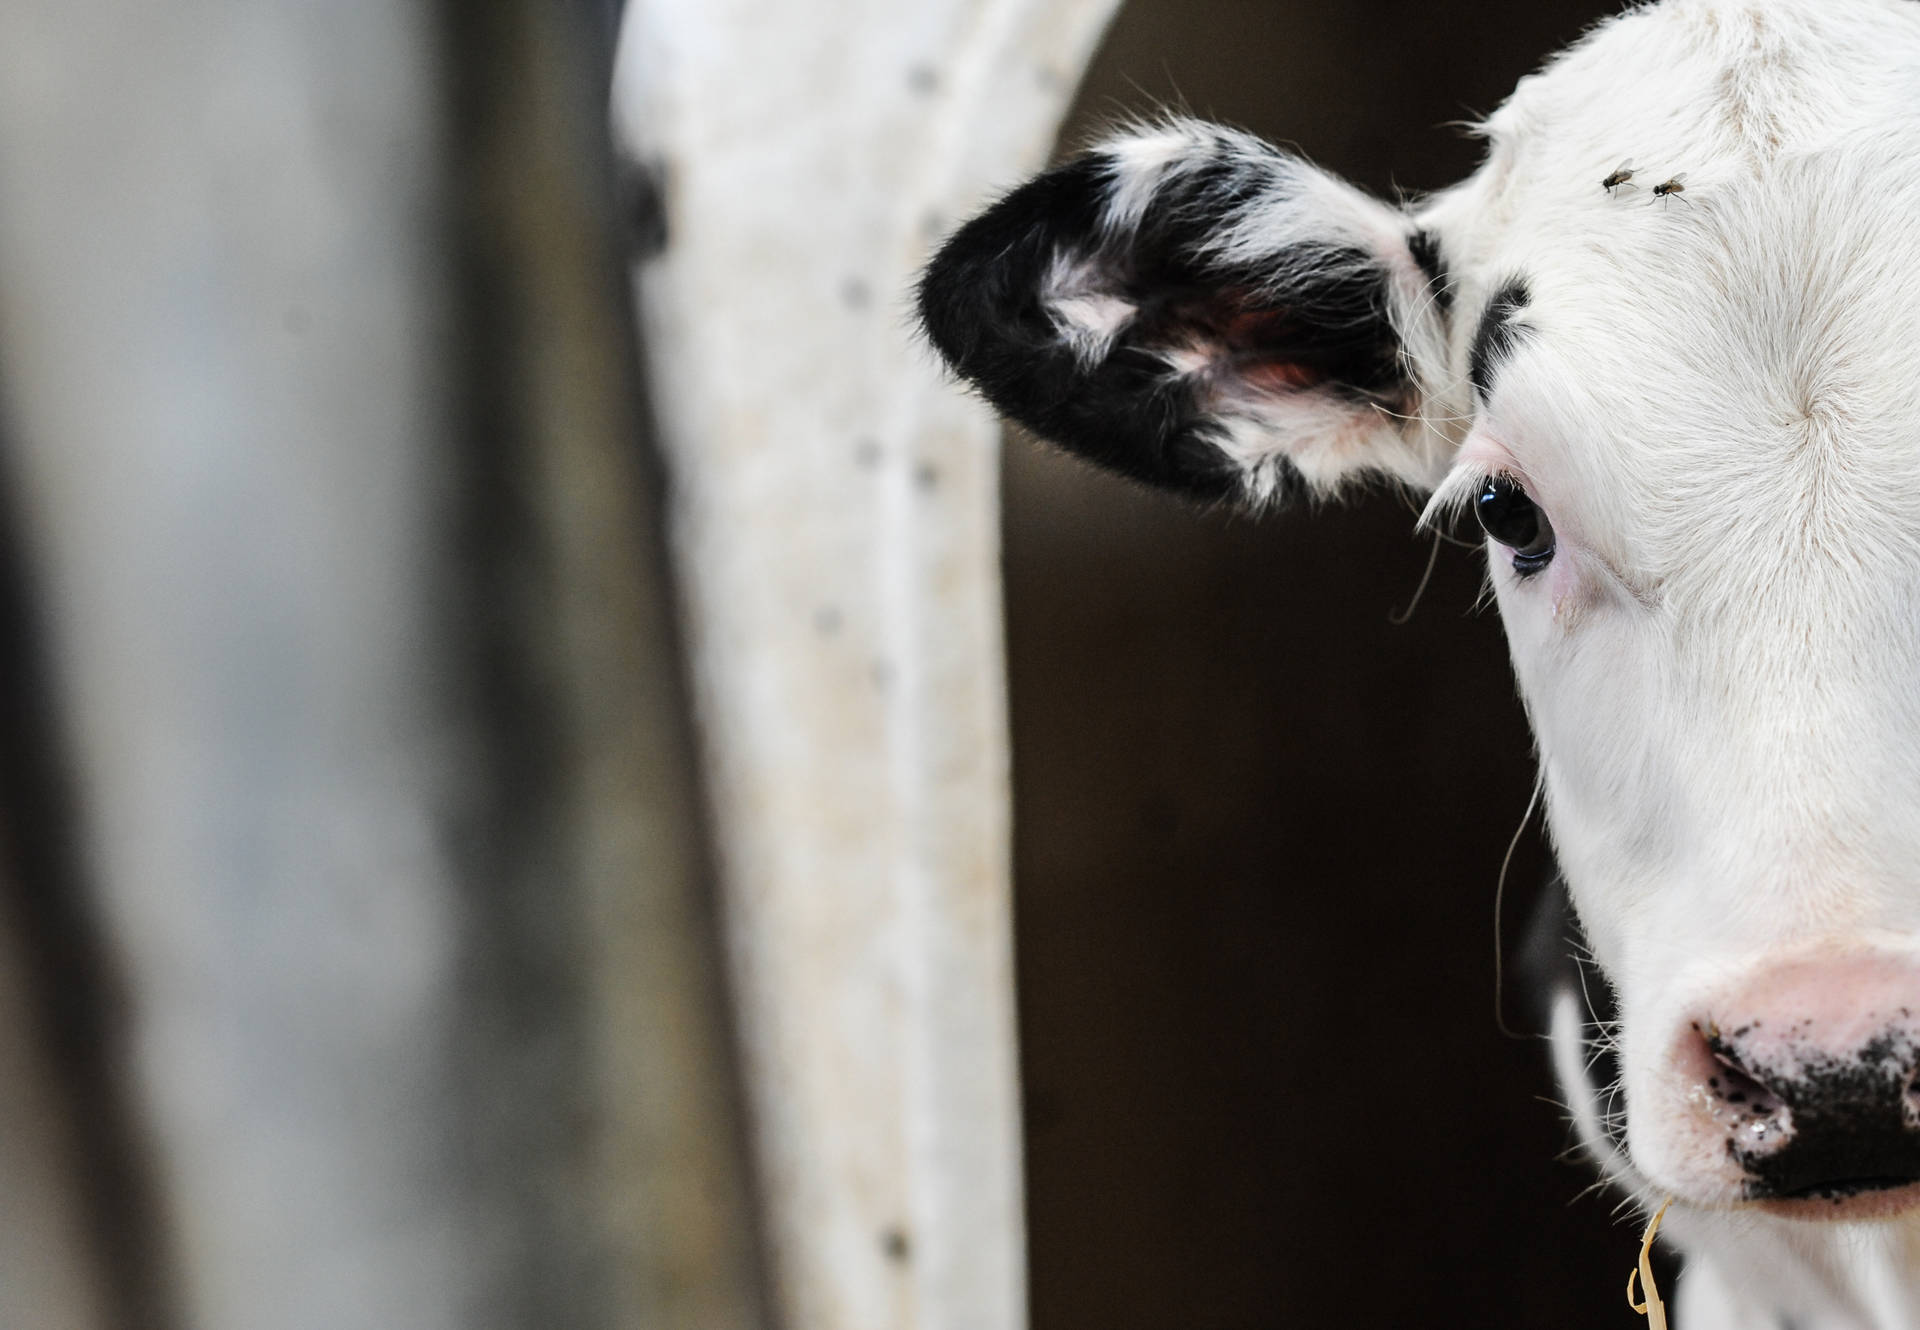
pixel 1713 79
pixel 1732 367
pixel 1723 92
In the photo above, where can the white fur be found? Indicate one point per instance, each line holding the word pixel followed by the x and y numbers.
pixel 1087 315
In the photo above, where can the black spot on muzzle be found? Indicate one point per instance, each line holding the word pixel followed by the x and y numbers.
pixel 1850 1121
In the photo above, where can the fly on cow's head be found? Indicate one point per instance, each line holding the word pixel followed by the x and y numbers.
pixel 1671 188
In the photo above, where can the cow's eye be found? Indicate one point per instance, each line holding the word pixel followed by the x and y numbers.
pixel 1510 517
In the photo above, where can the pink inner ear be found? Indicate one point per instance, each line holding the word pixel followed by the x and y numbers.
pixel 1240 341
pixel 1244 333
pixel 1278 376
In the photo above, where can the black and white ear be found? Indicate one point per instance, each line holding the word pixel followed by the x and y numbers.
pixel 1193 307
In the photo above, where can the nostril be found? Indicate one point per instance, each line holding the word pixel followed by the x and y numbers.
pixel 1741 1090
pixel 1755 1115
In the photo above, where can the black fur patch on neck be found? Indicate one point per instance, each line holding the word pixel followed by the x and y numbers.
pixel 1499 332
pixel 1548 963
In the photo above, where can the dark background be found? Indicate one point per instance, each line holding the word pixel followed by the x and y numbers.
pixel 1258 825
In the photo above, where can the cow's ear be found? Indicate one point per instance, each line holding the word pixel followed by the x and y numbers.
pixel 1193 307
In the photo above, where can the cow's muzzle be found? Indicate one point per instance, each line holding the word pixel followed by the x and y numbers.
pixel 1801 1078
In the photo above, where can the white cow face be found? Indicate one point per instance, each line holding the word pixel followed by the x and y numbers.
pixel 1689 423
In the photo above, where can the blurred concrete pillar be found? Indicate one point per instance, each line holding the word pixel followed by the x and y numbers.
pixel 834 505
pixel 320 394
pixel 218 301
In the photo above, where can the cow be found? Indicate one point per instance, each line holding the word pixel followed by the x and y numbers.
pixel 1664 345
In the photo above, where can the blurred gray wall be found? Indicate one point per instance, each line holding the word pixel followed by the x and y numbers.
pixel 352 895
pixel 1258 825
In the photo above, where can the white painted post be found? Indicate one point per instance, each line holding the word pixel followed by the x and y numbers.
pixel 836 520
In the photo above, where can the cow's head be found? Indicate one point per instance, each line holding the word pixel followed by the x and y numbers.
pixel 1690 427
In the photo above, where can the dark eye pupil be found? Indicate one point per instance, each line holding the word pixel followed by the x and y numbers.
pixel 1513 519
